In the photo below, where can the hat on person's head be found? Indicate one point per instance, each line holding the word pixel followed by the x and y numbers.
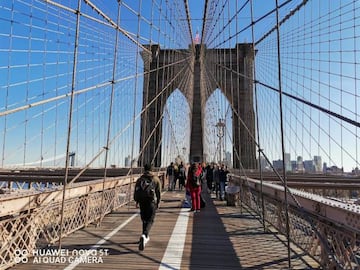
pixel 148 167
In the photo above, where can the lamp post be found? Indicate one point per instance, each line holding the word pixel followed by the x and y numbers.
pixel 220 133
pixel 184 154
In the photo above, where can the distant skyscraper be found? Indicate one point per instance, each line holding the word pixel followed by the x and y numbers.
pixel 287 162
pixel 318 164
pixel 293 165
pixel 278 164
pixel 127 161
pixel 299 164
pixel 309 166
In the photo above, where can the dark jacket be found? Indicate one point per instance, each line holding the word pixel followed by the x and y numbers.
pixel 157 185
pixel 223 174
pixel 193 171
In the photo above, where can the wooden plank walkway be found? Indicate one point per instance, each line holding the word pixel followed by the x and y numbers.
pixel 219 237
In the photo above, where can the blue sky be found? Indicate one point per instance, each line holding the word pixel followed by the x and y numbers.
pixel 319 51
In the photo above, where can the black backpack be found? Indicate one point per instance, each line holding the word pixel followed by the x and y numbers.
pixel 144 189
pixel 196 181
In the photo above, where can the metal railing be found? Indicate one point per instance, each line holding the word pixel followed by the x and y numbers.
pixel 32 219
pixel 326 229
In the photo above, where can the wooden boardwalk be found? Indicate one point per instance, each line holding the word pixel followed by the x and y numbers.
pixel 219 237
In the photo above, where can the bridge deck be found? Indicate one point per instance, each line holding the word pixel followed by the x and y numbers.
pixel 219 237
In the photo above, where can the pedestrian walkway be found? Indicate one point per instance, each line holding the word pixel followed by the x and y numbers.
pixel 219 237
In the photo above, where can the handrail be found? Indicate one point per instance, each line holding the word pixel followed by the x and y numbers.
pixel 326 229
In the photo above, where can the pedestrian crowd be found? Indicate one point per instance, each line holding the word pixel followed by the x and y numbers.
pixel 212 175
pixel 194 179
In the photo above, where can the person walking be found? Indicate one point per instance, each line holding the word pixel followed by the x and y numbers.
pixel 193 184
pixel 223 172
pixel 147 195
pixel 216 180
pixel 210 177
pixel 170 174
pixel 182 176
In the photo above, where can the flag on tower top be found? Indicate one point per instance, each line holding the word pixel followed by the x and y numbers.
pixel 197 38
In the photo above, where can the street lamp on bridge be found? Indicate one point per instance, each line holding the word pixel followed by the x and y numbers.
pixel 220 133
pixel 184 154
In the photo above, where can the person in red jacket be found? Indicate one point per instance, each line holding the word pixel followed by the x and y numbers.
pixel 193 184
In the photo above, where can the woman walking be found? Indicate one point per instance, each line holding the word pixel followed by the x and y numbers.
pixel 193 184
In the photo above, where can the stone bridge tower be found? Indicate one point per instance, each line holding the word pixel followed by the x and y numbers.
pixel 163 74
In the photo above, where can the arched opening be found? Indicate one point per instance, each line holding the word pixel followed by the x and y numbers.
pixel 218 139
pixel 176 129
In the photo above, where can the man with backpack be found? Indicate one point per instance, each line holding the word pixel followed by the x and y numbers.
pixel 147 195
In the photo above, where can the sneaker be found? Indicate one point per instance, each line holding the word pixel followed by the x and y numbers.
pixel 142 242
pixel 146 240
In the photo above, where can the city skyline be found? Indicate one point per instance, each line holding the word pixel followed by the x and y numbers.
pixel 316 164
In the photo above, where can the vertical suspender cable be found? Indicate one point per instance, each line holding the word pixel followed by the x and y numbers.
pixel 73 81
pixel 146 93
pixel 134 108
pixel 257 114
pixel 231 102
pixel 237 150
pixel 204 22
pixel 341 90
pixel 356 75
pixel 43 94
pixel 102 206
pixel 164 95
pixel 8 76
pixel 282 135
pixel 238 126
pixel 56 94
pixel 27 91
pixel 157 86
pixel 189 21
pixel 223 79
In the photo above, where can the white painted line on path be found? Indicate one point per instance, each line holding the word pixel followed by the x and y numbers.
pixel 102 241
pixel 173 254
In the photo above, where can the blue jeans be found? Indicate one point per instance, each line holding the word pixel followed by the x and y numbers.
pixel 222 190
